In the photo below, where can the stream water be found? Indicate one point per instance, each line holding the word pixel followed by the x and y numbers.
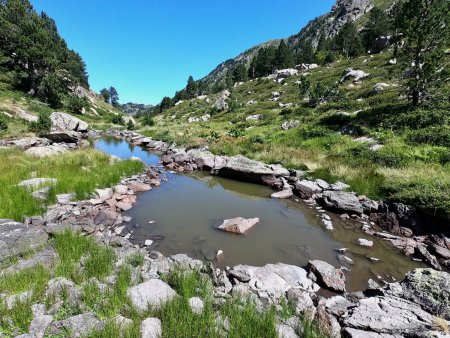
pixel 182 214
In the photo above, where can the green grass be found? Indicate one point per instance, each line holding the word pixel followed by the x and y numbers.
pixel 28 279
pixel 71 247
pixel 80 171
pixel 413 139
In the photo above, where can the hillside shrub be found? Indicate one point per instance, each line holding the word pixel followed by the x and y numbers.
pixel 118 119
pixel 148 120
pixel 308 132
pixel 76 104
pixel 3 124
pixel 438 136
pixel 236 132
pixel 42 126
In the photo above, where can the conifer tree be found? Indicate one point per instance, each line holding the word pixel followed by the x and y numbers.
pixel 284 57
pixel 348 41
pixel 191 88
pixel 113 96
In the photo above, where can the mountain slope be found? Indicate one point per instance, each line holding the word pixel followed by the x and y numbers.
pixel 328 24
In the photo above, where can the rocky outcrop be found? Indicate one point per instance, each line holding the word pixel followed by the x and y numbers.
pixel 221 103
pixel 64 121
pixel 290 124
pixel 238 225
pixel 356 75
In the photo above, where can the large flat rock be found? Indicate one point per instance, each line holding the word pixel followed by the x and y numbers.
pixel 238 225
pixel 244 169
pixel 152 293
pixel 17 239
pixel 273 280
pixel 64 121
pixel 340 201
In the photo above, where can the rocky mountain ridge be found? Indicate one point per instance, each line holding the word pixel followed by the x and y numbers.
pixel 328 24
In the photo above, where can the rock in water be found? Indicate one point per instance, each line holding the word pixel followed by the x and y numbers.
pixel 238 225
pixel 328 276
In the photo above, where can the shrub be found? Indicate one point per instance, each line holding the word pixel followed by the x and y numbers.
pixel 438 136
pixel 236 133
pixel 42 126
pixel 118 119
pixel 130 125
pixel 308 132
pixel 147 120
pixel 3 124
pixel 76 104
pixel 322 92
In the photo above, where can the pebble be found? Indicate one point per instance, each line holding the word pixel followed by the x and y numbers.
pixel 148 242
pixel 366 243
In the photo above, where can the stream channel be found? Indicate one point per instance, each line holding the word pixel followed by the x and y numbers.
pixel 182 216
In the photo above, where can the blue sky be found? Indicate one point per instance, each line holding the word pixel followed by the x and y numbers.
pixel 148 48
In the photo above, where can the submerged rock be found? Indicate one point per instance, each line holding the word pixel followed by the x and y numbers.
pixel 238 225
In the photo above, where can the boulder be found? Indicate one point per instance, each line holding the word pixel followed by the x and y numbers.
pixel 63 137
pixel 284 73
pixel 357 75
pixel 63 121
pixel 380 44
pixel 46 151
pixel 151 328
pixel 138 186
pixel 16 239
pixel 421 252
pixel 221 103
pixel 340 201
pixel 34 183
pixel 196 304
pixel 244 169
pixel 388 315
pixel 78 326
pixel 290 124
pixel 306 189
pixel 256 117
pixel 428 288
pixel 238 225
pixel 152 293
pixel 273 280
pixel 327 276
pixel 39 325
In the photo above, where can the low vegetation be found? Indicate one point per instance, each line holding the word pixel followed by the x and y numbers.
pixel 79 172
pixel 238 316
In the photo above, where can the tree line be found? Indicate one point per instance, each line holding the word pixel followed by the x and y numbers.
pixel 34 57
pixel 418 30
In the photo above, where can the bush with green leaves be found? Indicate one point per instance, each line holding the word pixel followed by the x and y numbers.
pixel 3 124
pixel 50 90
pixel 322 93
pixel 76 104
pixel 236 133
pixel 42 126
pixel 148 120
pixel 118 119
pixel 130 125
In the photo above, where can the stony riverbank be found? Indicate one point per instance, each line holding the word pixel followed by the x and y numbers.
pixel 402 225
pixel 418 306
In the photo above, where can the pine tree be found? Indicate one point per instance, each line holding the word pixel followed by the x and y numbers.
pixel 348 41
pixel 379 25
pixel 284 57
pixel 104 93
pixel 114 96
pixel 229 82
pixel 306 53
pixel 191 88
pixel 240 73
pixel 166 103
pixel 425 26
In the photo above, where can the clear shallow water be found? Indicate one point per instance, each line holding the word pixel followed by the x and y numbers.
pixel 182 215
